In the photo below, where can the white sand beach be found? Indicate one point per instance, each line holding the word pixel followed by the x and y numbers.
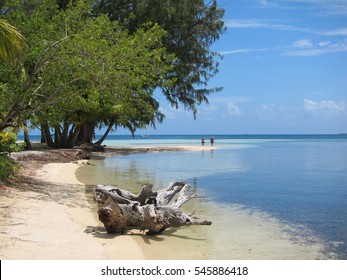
pixel 52 217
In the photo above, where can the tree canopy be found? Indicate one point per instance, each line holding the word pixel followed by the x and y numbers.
pixel 192 26
pixel 97 63
pixel 12 43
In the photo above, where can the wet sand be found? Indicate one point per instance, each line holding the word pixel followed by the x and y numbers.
pixel 52 216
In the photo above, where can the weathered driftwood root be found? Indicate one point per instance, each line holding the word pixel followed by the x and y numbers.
pixel 120 210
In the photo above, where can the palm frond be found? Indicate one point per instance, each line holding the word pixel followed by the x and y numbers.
pixel 12 43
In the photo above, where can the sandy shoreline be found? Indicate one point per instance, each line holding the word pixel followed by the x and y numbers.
pixel 49 222
pixel 50 216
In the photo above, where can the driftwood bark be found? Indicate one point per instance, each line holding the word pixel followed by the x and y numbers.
pixel 120 210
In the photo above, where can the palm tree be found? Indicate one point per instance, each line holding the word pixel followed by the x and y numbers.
pixel 12 42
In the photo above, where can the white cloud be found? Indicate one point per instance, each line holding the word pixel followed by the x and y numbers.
pixel 233 109
pixel 324 43
pixel 319 7
pixel 244 51
pixel 329 7
pixel 235 51
pixel 222 107
pixel 267 112
pixel 245 23
pixel 263 2
pixel 208 109
pixel 264 24
pixel 280 114
pixel 336 32
pixel 307 48
pixel 301 47
pixel 272 24
pixel 303 43
pixel 327 108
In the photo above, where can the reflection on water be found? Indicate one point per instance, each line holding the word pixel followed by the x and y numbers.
pixel 236 233
pixel 158 169
pixel 301 186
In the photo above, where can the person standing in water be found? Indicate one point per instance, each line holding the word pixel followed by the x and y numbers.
pixel 203 141
pixel 212 140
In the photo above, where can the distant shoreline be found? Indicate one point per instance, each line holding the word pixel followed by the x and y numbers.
pixel 149 136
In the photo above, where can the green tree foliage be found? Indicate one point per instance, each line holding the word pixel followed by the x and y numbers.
pixel 192 26
pixel 17 82
pixel 104 75
pixel 7 145
pixel 12 42
pixel 7 167
pixel 95 63
pixel 8 142
pixel 82 70
pixel 12 48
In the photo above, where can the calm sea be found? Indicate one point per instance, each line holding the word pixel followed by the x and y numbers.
pixel 300 180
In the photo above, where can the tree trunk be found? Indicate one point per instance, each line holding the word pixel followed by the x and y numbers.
pixel 43 139
pixel 99 142
pixel 86 133
pixel 73 134
pixel 121 210
pixel 57 137
pixel 27 142
pixel 64 135
pixel 47 134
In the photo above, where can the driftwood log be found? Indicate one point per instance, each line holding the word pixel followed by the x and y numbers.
pixel 120 210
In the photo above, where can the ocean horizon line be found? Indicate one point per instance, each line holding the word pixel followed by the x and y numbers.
pixel 216 134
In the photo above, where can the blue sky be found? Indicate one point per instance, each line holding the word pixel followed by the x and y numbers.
pixel 284 70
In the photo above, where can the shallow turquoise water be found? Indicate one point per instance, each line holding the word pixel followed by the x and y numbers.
pixel 300 180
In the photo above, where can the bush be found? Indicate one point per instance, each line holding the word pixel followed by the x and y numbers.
pixel 7 145
pixel 8 142
pixel 7 167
